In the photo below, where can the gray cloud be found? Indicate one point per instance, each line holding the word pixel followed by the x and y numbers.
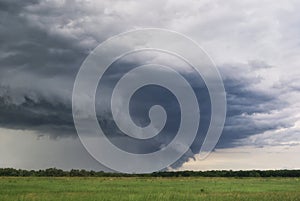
pixel 43 43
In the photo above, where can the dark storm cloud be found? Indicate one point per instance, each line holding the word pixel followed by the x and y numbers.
pixel 28 48
pixel 53 119
pixel 54 116
pixel 37 65
pixel 36 73
pixel 241 105
pixel 244 102
pixel 41 51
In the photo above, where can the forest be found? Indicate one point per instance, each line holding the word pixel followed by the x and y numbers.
pixel 54 172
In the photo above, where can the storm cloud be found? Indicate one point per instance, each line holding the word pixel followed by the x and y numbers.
pixel 43 44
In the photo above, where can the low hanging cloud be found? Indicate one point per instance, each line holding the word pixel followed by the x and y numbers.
pixel 43 44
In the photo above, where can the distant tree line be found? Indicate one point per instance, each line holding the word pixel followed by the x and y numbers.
pixel 54 172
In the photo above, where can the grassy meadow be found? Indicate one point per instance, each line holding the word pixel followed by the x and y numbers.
pixel 152 188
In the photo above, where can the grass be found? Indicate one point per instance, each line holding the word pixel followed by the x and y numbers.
pixel 109 188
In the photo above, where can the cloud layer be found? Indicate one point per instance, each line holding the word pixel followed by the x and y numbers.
pixel 254 44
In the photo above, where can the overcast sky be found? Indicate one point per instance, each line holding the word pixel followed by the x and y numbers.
pixel 254 44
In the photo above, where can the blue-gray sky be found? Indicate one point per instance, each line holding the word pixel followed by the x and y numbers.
pixel 255 45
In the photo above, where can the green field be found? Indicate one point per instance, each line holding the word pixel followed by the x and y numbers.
pixel 135 188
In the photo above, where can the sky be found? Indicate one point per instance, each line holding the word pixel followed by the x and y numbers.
pixel 254 44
